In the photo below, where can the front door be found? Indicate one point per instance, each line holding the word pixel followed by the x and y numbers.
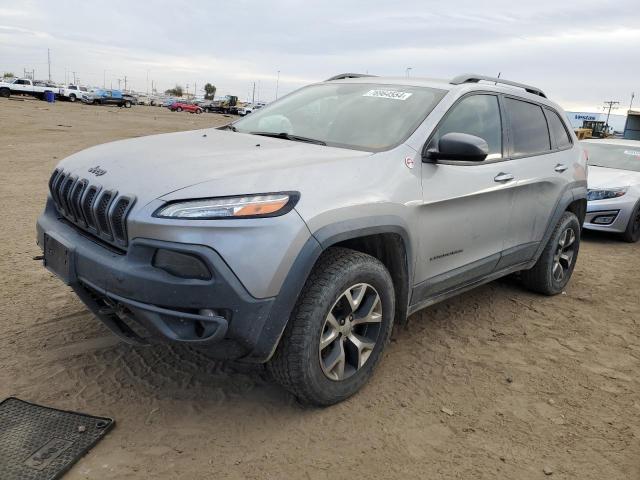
pixel 466 206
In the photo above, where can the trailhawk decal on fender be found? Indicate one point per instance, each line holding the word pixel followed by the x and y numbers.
pixel 392 94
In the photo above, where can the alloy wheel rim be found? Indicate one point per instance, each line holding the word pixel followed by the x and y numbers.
pixel 350 332
pixel 563 257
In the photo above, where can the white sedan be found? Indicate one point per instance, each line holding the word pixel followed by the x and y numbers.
pixel 614 187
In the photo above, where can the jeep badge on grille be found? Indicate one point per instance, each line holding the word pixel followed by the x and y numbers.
pixel 97 171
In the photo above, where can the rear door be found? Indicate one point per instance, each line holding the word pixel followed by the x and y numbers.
pixel 541 148
pixel 466 206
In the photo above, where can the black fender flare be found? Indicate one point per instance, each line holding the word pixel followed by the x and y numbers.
pixel 306 259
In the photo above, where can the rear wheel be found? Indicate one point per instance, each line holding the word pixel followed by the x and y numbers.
pixel 632 233
pixel 552 271
pixel 198 111
pixel 179 109
pixel 72 98
pixel 5 92
pixel 127 104
pixel 338 329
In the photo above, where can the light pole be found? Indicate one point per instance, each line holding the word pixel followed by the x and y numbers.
pixel 408 70
pixel 633 95
pixel 277 84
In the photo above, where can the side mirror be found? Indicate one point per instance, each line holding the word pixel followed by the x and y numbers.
pixel 460 147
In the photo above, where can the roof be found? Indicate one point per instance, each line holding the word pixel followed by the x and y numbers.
pixel 468 81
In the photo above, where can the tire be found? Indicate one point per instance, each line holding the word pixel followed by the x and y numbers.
pixel 300 364
pixel 5 92
pixel 198 111
pixel 127 104
pixel 72 98
pixel 179 109
pixel 632 232
pixel 552 271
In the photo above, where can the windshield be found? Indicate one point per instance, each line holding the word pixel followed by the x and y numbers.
pixel 352 115
pixel 622 157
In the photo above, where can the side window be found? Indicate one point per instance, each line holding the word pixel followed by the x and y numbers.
pixel 477 115
pixel 558 130
pixel 529 131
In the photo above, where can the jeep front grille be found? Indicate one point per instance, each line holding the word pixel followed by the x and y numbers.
pixel 103 213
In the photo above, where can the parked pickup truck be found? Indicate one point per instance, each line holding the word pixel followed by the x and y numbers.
pixel 108 97
pixel 72 92
pixel 26 86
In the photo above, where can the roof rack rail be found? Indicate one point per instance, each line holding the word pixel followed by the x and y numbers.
pixel 342 76
pixel 473 78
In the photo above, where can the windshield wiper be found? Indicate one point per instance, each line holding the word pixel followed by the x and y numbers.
pixel 288 136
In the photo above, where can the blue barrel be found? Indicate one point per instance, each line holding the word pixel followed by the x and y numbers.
pixel 50 97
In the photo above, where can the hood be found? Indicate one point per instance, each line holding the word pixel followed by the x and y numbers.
pixel 601 177
pixel 154 166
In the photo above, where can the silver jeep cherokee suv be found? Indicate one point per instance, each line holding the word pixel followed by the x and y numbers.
pixel 297 236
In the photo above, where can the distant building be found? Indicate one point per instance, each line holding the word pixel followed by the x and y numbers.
pixel 632 125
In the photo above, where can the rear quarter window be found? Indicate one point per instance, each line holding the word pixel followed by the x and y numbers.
pixel 558 130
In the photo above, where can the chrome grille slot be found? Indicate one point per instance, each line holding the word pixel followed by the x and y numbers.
pixel 65 195
pixel 103 213
pixel 76 195
pixel 87 206
pixel 101 209
pixel 117 219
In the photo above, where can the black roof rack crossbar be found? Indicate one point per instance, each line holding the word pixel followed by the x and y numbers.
pixel 342 76
pixel 473 78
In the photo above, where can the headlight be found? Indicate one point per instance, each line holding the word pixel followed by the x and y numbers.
pixel 249 206
pixel 605 194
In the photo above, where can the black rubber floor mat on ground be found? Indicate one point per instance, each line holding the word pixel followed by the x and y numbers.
pixel 42 443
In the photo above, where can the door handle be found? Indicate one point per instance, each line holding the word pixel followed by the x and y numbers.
pixel 560 168
pixel 503 177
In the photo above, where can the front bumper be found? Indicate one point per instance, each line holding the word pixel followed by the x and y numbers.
pixel 143 304
pixel 621 207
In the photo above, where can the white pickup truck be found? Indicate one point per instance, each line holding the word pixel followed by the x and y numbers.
pixel 26 86
pixel 72 92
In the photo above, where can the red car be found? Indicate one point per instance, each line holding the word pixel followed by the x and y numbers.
pixel 187 107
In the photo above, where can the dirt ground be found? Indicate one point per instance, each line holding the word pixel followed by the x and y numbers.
pixel 527 382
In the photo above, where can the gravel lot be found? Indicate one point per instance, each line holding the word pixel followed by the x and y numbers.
pixel 498 383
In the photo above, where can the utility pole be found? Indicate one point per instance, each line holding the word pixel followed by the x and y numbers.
pixel 147 82
pixel 49 62
pixel 253 97
pixel 125 83
pixel 277 84
pixel 408 70
pixel 633 95
pixel 104 79
pixel 609 105
pixel 119 84
pixel 74 78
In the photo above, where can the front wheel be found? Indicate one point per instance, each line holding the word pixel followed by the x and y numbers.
pixel 338 329
pixel 127 104
pixel 179 109
pixel 632 232
pixel 552 271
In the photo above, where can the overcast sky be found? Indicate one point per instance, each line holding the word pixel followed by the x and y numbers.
pixel 580 52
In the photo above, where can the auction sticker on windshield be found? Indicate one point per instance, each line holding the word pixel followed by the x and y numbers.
pixel 393 94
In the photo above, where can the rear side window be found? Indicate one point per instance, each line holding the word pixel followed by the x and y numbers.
pixel 529 131
pixel 558 130
pixel 477 115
